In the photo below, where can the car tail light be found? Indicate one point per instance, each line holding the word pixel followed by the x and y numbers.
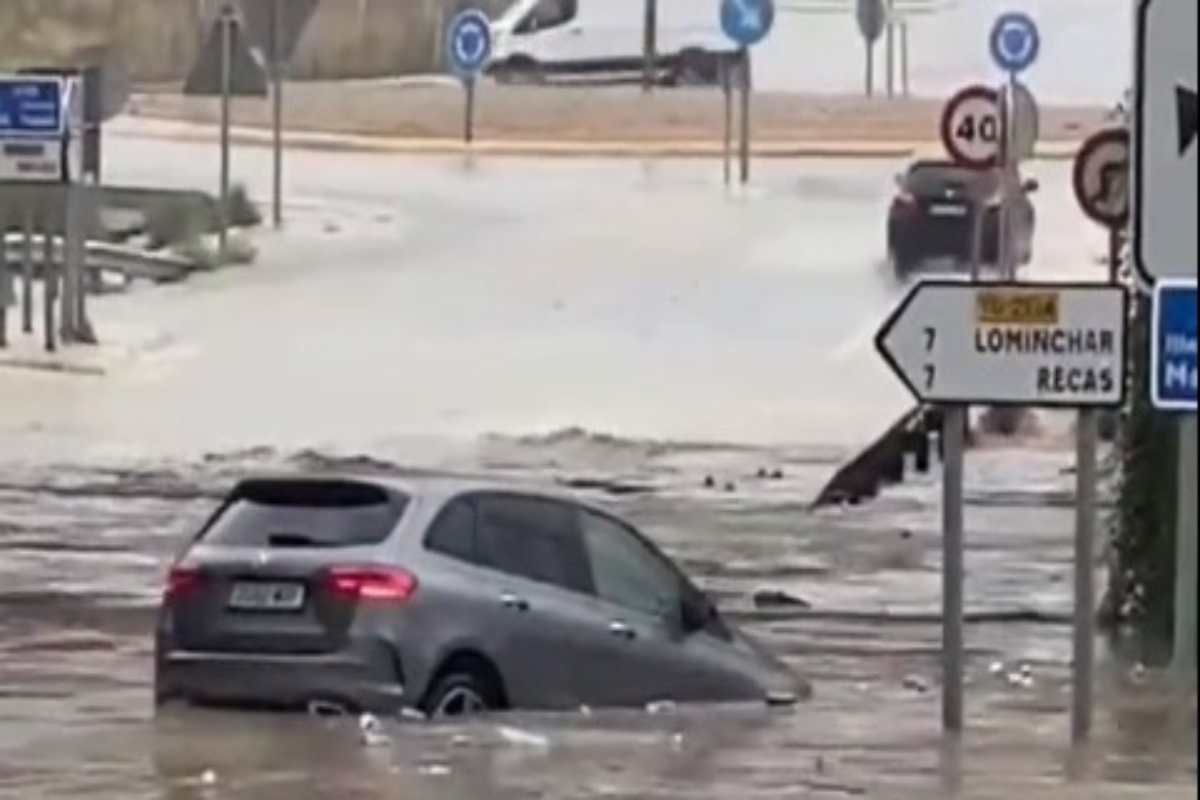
pixel 182 582
pixel 906 201
pixel 372 584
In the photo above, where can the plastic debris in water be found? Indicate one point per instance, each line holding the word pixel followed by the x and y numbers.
pixel 461 740
pixel 371 731
pixel 208 778
pixel 661 707
pixel 1137 673
pixel 996 669
pixel 413 715
pixel 585 711
pixel 677 742
pixel 520 738
pixel 434 770
pixel 915 683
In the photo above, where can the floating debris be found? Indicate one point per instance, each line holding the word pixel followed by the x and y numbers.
pixel 208 778
pixel 915 683
pixel 775 598
pixel 659 707
pixel 520 738
pixel 434 770
pixel 371 731
pixel 413 715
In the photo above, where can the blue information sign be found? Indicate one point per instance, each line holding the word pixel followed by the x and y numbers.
pixel 469 43
pixel 1174 346
pixel 31 106
pixel 1015 42
pixel 747 22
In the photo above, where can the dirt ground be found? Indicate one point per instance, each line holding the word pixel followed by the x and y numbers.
pixel 401 110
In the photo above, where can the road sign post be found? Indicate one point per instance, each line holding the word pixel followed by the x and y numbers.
pixel 958 344
pixel 746 23
pixel 227 24
pixel 468 48
pixel 649 46
pixel 872 17
pixel 1166 127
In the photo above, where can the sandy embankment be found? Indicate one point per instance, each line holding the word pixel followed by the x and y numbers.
pixel 400 116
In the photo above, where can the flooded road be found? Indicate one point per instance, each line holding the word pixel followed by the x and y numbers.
pixel 615 323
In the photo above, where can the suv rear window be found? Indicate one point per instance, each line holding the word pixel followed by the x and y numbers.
pixel 306 514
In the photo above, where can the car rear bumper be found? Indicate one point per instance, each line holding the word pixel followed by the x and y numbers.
pixel 352 680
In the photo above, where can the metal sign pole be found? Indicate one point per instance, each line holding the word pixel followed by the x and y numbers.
pixel 1003 245
pixel 890 34
pixel 27 275
pixel 904 80
pixel 1085 589
pixel 1183 663
pixel 650 46
pixel 6 283
pixel 226 94
pixel 727 88
pixel 745 154
pixel 870 68
pixel 469 111
pixel 953 437
pixel 277 67
pixel 49 288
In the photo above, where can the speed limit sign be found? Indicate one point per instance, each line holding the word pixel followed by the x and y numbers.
pixel 971 129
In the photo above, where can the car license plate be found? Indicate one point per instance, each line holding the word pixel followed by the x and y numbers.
pixel 260 596
pixel 944 210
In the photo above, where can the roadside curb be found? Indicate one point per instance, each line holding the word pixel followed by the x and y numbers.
pixel 176 130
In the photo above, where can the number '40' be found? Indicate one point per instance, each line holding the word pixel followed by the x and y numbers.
pixel 971 128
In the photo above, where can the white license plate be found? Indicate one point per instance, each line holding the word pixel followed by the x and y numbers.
pixel 258 596
pixel 941 210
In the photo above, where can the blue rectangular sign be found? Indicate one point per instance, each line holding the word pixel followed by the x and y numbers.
pixel 1174 346
pixel 31 106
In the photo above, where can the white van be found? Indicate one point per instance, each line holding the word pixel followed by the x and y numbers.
pixel 535 39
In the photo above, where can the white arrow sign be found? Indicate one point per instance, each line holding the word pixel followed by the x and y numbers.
pixel 1010 344
pixel 1165 146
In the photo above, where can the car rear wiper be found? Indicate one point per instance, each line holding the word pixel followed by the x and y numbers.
pixel 296 540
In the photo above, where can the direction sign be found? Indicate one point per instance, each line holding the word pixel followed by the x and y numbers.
pixel 747 22
pixel 31 106
pixel 1009 344
pixel 1015 42
pixel 275 26
pixel 1165 146
pixel 872 19
pixel 469 43
pixel 247 76
pixel 1173 346
pixel 1101 178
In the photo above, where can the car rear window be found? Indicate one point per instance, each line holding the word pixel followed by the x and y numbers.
pixel 306 514
pixel 933 179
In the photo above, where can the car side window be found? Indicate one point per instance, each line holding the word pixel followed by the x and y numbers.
pixel 625 570
pixel 532 538
pixel 453 531
pixel 549 14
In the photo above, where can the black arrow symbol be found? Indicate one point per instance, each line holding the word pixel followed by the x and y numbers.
pixel 1189 122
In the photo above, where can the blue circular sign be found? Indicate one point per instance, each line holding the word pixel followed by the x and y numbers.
pixel 747 22
pixel 1015 42
pixel 469 43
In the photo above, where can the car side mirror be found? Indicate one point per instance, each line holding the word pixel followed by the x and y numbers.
pixel 1030 186
pixel 696 612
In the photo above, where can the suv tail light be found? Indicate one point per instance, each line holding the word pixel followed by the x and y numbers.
pixel 905 201
pixel 371 584
pixel 181 583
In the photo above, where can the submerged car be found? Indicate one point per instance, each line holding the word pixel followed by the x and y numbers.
pixel 443 595
pixel 931 218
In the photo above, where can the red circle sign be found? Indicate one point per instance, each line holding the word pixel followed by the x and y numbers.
pixel 1101 177
pixel 971 129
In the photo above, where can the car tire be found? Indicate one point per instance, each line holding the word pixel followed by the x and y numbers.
pixel 520 72
pixel 903 266
pixel 459 695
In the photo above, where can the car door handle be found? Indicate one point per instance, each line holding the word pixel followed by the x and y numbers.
pixel 514 602
pixel 622 631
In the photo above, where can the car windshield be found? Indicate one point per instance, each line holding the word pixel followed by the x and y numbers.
pixel 305 515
